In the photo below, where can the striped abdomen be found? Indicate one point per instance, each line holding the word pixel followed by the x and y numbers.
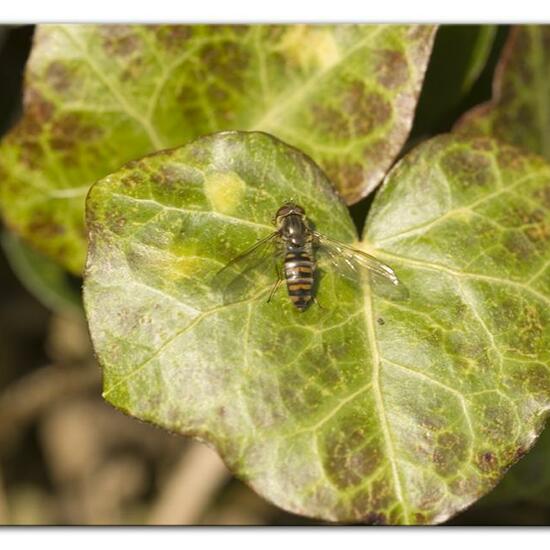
pixel 299 271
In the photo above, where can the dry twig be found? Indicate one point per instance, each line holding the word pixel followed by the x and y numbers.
pixel 190 487
pixel 29 396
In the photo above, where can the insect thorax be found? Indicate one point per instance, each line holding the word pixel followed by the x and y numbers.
pixel 294 231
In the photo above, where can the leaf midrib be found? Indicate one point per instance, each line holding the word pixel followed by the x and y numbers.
pixel 378 399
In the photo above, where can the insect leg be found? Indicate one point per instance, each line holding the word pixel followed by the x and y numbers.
pixel 274 289
pixel 318 303
pixel 277 283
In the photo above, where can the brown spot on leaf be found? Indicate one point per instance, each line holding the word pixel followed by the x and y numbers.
pixel 44 225
pixel 391 68
pixel 375 151
pixel 531 328
pixel 216 93
pixel 420 518
pixel 348 459
pixel 120 40
pixel 468 168
pixel 345 175
pixel 520 452
pixel 464 485
pixel 38 111
pixel 419 33
pixel 172 37
pixel 132 164
pixel 539 233
pixel 330 120
pixel 69 129
pixel 544 195
pixel 510 158
pixel 487 461
pixel 526 216
pixel 190 112
pixel 238 29
pixel 519 246
pixel 132 180
pixel 31 155
pixel 381 494
pixel 366 109
pixel 462 346
pixel 115 221
pixel 449 453
pixel 374 518
pixel 132 71
pixel 482 144
pixel 58 76
pixel 226 60
pixel 533 377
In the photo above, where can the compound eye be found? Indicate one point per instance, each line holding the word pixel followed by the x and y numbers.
pixel 283 211
pixel 299 210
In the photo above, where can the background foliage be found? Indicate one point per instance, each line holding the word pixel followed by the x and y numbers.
pixel 128 472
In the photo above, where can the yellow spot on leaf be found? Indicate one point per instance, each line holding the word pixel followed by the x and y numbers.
pixel 188 267
pixel 309 47
pixel 188 264
pixel 224 191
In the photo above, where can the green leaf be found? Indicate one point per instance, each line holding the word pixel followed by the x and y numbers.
pixel 459 54
pixel 372 408
pixel 42 277
pixel 99 96
pixel 519 112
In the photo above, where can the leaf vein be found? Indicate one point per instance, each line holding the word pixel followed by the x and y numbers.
pixel 477 276
pixel 378 399
pixel 168 341
pixel 145 123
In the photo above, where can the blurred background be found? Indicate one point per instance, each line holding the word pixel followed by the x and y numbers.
pixel 66 457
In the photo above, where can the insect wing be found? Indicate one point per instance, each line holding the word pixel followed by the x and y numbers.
pixel 350 262
pixel 249 271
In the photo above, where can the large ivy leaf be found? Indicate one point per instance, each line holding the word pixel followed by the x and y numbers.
pixel 99 96
pixel 519 112
pixel 374 407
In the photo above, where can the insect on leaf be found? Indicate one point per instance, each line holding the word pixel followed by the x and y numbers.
pixel 371 408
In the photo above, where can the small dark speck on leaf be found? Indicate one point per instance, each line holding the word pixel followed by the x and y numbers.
pixel 380 321
pixel 520 452
pixel 375 519
pixel 487 461
pixel 488 457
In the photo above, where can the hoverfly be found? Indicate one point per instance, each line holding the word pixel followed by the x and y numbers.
pixel 292 250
